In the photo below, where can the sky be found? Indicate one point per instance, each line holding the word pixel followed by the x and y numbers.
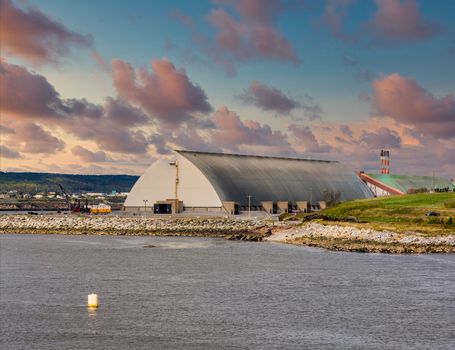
pixel 108 87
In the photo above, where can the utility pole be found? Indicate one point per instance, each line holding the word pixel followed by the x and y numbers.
pixel 433 183
pixel 145 205
pixel 311 199
pixel 176 187
pixel 249 205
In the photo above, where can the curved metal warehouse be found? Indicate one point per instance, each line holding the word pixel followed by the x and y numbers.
pixel 202 181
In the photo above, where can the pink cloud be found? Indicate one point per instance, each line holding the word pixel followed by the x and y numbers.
pixel 166 93
pixel 26 93
pixel 6 152
pixel 305 137
pixel 357 145
pixel 29 96
pixel 206 44
pixel 335 12
pixel 250 34
pixel 251 39
pixel 272 99
pixel 122 113
pixel 232 132
pixel 108 135
pixel 382 138
pixel 254 10
pixel 407 102
pixel 33 36
pixel 32 138
pixel 401 20
pixel 268 98
pixel 101 62
pixel 89 156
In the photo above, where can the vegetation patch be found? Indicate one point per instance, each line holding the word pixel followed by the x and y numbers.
pixel 403 214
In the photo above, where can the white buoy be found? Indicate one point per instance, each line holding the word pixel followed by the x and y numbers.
pixel 92 300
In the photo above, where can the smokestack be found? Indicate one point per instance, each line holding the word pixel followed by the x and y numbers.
pixel 385 161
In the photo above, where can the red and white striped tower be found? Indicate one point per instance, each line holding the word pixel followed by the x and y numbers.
pixel 385 161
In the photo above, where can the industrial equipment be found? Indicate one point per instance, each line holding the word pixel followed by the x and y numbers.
pixel 75 206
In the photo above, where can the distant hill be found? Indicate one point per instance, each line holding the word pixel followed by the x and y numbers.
pixel 45 182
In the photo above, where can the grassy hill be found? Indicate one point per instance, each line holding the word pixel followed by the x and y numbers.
pixel 44 182
pixel 400 213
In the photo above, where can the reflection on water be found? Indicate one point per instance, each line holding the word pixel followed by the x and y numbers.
pixel 196 293
pixel 92 311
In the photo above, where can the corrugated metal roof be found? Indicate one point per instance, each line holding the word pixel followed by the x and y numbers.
pixel 234 177
pixel 404 183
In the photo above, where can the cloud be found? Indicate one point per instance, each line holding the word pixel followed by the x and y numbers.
pixel 232 132
pixel 101 62
pixel 107 135
pixel 346 130
pixel 405 101
pixel 88 156
pixel 160 142
pixel 311 109
pixel 26 93
pixel 5 130
pixel 255 11
pixel 35 37
pixel 6 152
pixel 124 114
pixel 383 138
pixel 306 138
pixel 251 39
pixel 251 33
pixel 398 20
pixel 206 44
pixel 334 13
pixel 32 138
pixel 359 74
pixel 166 93
pixel 29 96
pixel 268 98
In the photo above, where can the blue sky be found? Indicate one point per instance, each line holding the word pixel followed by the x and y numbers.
pixel 335 75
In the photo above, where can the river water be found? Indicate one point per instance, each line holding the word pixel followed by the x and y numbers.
pixel 196 293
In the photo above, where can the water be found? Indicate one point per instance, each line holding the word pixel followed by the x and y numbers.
pixel 195 293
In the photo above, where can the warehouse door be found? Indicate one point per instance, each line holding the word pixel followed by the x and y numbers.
pixel 162 208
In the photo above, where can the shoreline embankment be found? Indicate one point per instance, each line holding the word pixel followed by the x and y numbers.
pixel 332 237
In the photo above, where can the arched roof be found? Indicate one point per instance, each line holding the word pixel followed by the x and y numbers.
pixel 234 177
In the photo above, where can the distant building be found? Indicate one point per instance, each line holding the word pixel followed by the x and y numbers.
pixel 229 183
pixel 387 184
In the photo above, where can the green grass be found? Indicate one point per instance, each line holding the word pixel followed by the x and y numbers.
pixel 400 213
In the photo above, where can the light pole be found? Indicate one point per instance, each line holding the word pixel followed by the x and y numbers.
pixel 311 199
pixel 249 205
pixel 145 205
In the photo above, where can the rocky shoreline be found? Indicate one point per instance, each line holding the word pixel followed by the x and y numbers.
pixel 333 237
pixel 348 238
pixel 220 227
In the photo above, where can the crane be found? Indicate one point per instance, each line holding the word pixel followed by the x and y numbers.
pixel 74 207
pixel 67 197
